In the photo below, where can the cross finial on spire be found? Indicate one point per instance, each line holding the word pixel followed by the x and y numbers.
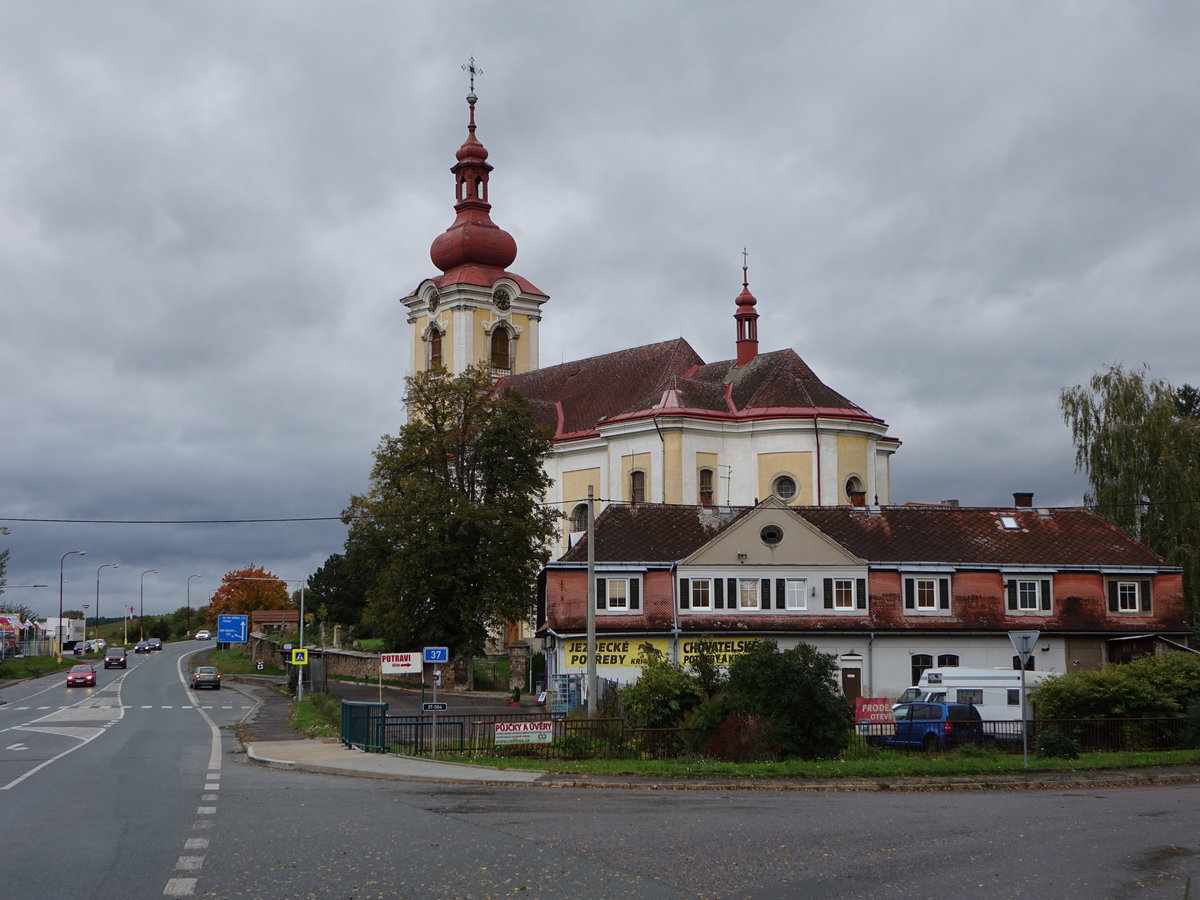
pixel 745 267
pixel 469 66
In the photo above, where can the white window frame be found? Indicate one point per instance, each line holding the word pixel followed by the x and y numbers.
pixel 748 590
pixel 843 594
pixel 609 606
pixel 1028 588
pixel 693 583
pixel 796 594
pixel 1123 588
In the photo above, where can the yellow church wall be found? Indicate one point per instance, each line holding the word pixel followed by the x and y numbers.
pixel 575 484
pixel 524 361
pixel 629 464
pixel 673 467
pixel 796 464
pixel 852 460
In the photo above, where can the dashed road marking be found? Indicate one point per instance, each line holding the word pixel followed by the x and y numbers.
pixel 180 887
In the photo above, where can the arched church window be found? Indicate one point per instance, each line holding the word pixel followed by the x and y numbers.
pixel 579 517
pixel 501 352
pixel 706 488
pixel 637 486
pixel 435 349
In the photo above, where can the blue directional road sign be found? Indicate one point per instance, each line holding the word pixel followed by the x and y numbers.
pixel 437 654
pixel 233 629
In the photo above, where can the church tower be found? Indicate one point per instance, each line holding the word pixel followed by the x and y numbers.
pixel 476 311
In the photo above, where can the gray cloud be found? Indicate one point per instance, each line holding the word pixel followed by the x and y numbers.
pixel 207 215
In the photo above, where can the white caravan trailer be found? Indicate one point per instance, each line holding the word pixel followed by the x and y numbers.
pixel 996 693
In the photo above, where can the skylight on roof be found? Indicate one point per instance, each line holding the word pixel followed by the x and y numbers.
pixel 1009 523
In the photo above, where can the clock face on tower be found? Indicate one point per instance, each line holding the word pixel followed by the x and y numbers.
pixel 502 300
pixel 433 301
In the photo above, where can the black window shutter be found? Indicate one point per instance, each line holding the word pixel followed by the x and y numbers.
pixel 1144 592
pixel 780 593
pixel 829 593
pixel 601 593
pixel 635 592
pixel 861 590
pixel 764 591
pixel 1046 596
pixel 685 598
pixel 944 593
pixel 1012 595
pixel 731 593
pixel 1114 594
pixel 719 593
pixel 910 593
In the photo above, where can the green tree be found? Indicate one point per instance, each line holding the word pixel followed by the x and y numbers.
pixel 339 590
pixel 1138 441
pixel 796 692
pixel 452 532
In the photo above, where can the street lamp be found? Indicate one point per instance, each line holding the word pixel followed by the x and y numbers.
pixel 85 609
pixel 142 597
pixel 189 599
pixel 105 566
pixel 58 650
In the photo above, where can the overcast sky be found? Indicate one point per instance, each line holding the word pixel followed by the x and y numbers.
pixel 209 212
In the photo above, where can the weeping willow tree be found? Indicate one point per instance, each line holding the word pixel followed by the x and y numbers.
pixel 1138 441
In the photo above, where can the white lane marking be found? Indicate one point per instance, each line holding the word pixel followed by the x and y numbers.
pixel 180 887
pixel 69 732
pixel 209 798
pixel 16 747
pixel 210 787
pixel 195 844
pixel 189 863
pixel 206 810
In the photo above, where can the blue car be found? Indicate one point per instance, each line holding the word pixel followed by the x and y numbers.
pixel 935 726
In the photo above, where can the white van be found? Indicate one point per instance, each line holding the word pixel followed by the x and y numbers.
pixel 996 693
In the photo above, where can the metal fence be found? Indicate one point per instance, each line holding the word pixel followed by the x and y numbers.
pixel 1089 735
pixel 369 727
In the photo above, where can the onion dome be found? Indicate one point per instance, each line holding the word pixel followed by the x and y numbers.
pixel 474 239
pixel 747 320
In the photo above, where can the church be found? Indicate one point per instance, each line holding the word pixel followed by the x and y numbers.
pixel 744 499
pixel 649 424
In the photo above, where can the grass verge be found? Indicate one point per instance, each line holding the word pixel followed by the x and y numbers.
pixel 36 666
pixel 234 661
pixel 318 716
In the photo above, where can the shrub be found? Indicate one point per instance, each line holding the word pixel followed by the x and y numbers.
pixel 661 697
pixel 743 739
pixel 796 691
pixel 1191 730
pixel 1056 745
pixel 1150 688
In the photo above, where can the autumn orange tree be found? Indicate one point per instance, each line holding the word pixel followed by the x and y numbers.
pixel 242 591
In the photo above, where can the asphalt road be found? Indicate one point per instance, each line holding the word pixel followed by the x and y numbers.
pixel 133 790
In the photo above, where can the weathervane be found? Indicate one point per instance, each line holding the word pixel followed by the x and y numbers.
pixel 469 66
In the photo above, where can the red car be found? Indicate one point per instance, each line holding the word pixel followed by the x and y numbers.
pixel 85 675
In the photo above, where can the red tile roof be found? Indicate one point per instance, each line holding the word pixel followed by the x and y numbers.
pixel 961 536
pixel 669 378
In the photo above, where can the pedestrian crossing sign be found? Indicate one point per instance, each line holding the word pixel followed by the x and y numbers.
pixel 299 657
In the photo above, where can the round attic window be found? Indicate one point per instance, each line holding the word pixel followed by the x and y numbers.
pixel 784 487
pixel 771 535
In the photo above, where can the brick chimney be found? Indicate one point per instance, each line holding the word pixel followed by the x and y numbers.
pixel 858 499
pixel 1023 500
